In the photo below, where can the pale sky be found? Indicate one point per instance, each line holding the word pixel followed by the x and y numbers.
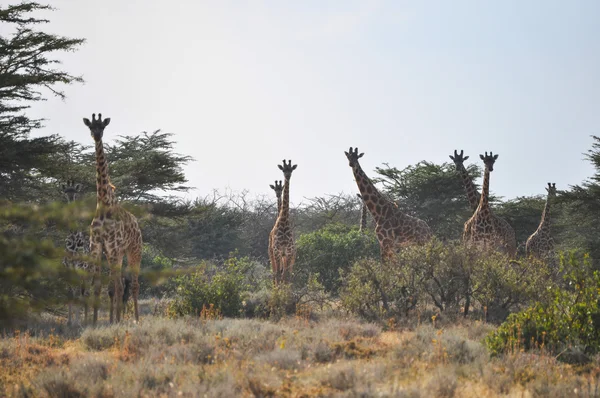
pixel 245 84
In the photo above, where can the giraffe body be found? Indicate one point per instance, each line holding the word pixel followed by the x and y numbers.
pixel 394 228
pixel 114 231
pixel 504 230
pixel 282 249
pixel 76 248
pixel 484 228
pixel 541 244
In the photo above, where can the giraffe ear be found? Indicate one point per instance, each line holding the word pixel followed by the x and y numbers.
pixel 106 121
pixel 87 122
pixel 272 187
pixel 294 167
pixel 481 157
pixel 280 167
pixel 361 155
pixel 495 157
pixel 465 158
pixel 77 187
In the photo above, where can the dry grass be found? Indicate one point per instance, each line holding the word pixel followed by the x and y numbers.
pixel 242 357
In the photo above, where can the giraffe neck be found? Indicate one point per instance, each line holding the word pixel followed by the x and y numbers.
pixel 485 192
pixel 372 198
pixel 363 217
pixel 472 193
pixel 284 207
pixel 278 203
pixel 104 194
pixel 546 219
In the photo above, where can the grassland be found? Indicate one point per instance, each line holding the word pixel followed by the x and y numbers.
pixel 329 355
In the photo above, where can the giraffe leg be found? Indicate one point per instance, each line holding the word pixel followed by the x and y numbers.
pixel 84 291
pixel 283 268
pixel 115 290
pixel 273 260
pixel 96 254
pixel 134 259
pixel 290 263
pixel 118 283
pixel 70 313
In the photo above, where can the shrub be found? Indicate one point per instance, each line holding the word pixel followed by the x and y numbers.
pixel 326 251
pixel 155 268
pixel 569 319
pixel 447 275
pixel 221 286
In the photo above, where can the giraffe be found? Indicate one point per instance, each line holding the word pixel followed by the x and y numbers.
pixel 540 244
pixel 282 250
pixel 363 215
pixel 278 188
pixel 507 232
pixel 394 228
pixel 484 227
pixel 76 246
pixel 114 231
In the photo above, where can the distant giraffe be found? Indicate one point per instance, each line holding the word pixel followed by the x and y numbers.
pixel 114 231
pixel 77 246
pixel 484 228
pixel 540 244
pixel 282 249
pixel 363 214
pixel 394 228
pixel 473 196
pixel 278 188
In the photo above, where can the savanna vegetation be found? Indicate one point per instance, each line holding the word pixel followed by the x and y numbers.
pixel 441 319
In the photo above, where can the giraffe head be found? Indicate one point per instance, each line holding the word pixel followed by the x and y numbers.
pixel 551 189
pixel 353 156
pixel 278 187
pixel 287 169
pixel 489 160
pixel 71 190
pixel 96 126
pixel 458 159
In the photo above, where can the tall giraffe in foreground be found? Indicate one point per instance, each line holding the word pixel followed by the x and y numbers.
pixel 76 246
pixel 484 228
pixel 278 188
pixel 473 196
pixel 363 214
pixel 114 230
pixel 394 228
pixel 282 250
pixel 540 244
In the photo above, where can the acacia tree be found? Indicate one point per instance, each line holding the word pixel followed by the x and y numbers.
pixel 582 205
pixel 28 72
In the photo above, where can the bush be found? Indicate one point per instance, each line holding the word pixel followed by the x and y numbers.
pixel 334 247
pixel 449 275
pixel 222 287
pixel 155 268
pixel 376 290
pixel 570 319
